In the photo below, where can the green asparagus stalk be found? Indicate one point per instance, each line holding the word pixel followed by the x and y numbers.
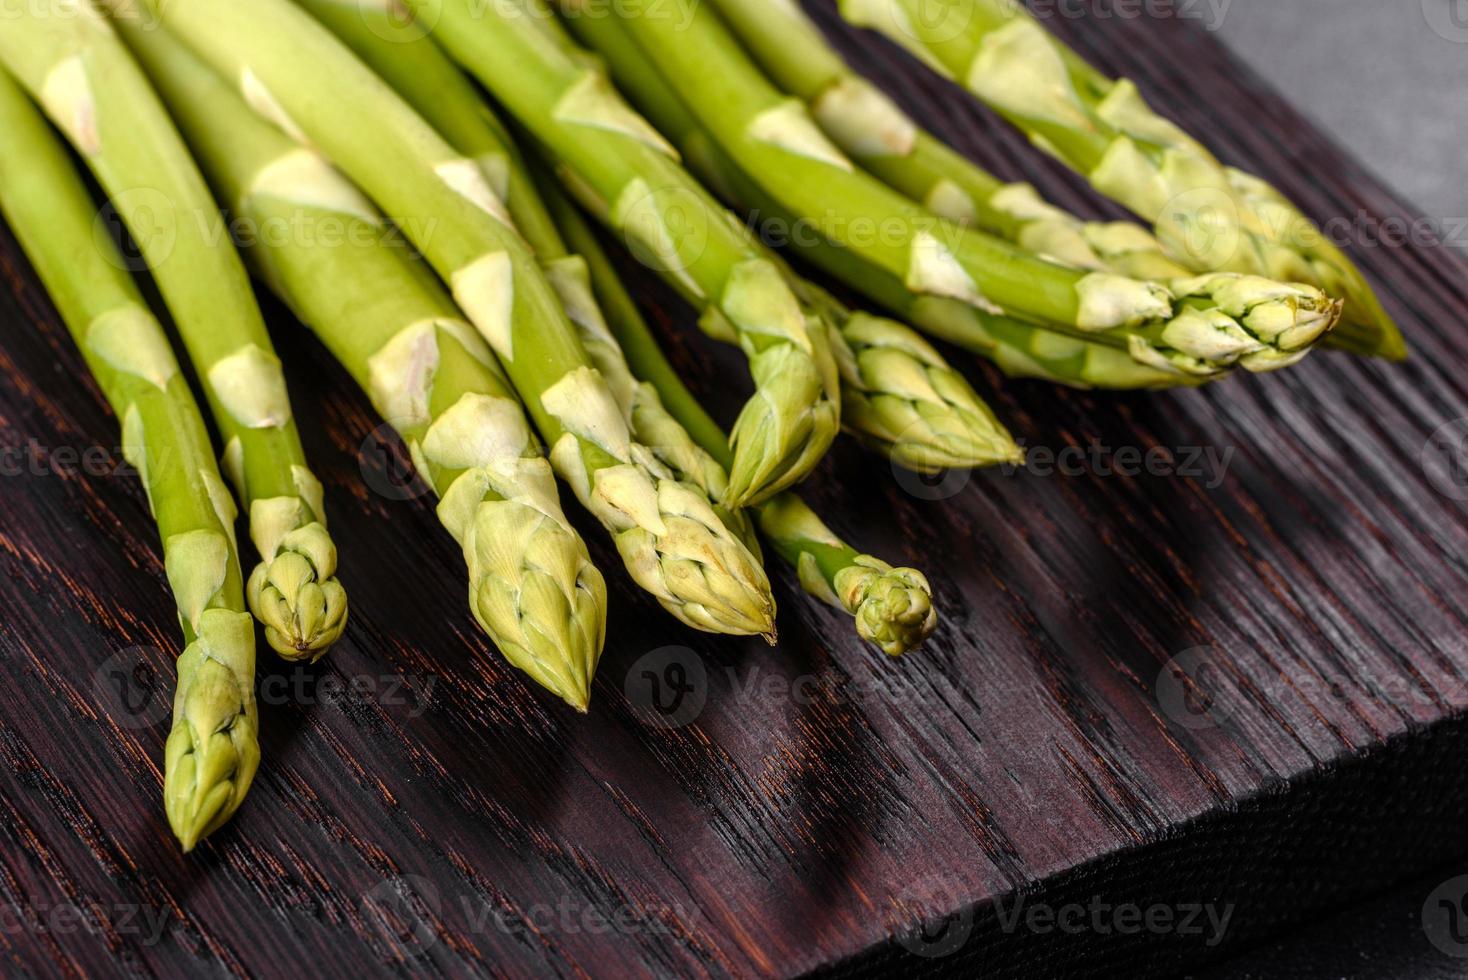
pixel 669 536
pixel 1020 349
pixel 902 398
pixel 391 42
pixel 622 165
pixel 1204 326
pixel 876 133
pixel 898 394
pixel 1210 217
pixel 65 53
pixel 212 751
pixel 892 607
pixel 400 51
pixel 532 586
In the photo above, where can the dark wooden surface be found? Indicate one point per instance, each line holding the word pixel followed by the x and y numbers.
pixel 421 810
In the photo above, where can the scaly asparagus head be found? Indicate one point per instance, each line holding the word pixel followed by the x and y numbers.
pixel 213 752
pixel 893 607
pixel 294 592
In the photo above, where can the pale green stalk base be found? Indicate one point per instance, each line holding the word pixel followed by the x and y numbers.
pixel 212 751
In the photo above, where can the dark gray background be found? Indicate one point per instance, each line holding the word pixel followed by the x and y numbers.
pixel 1389 78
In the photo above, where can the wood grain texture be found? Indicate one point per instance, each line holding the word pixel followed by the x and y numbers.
pixel 1243 686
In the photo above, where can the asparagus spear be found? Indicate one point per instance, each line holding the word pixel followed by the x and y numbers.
pixel 1209 216
pixel 669 536
pixel 1203 326
pixel 65 53
pixel 532 585
pixel 394 45
pixel 632 175
pixel 786 439
pixel 903 398
pixel 890 145
pixel 1020 349
pixel 892 607
pixel 898 394
pixel 212 751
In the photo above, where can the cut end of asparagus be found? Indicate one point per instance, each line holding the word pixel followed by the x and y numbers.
pixel 893 607
pixel 297 597
pixel 783 431
pixel 212 752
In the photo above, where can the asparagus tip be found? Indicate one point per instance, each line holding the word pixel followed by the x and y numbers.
pixel 298 599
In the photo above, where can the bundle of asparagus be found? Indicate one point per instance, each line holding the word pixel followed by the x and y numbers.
pixel 532 585
pixel 669 536
pixel 514 320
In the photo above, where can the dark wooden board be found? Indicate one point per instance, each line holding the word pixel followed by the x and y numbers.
pixel 420 809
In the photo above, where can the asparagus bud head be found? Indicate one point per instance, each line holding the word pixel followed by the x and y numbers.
pixel 900 396
pixel 297 596
pixel 1285 317
pixel 893 606
pixel 212 752
pixel 790 423
pixel 532 585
